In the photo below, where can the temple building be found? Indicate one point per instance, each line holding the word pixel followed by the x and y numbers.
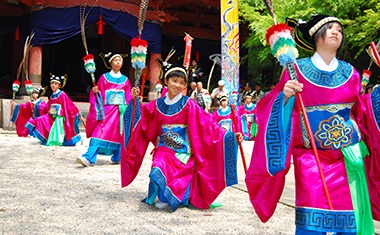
pixel 57 44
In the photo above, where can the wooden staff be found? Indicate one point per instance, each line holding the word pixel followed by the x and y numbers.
pixel 234 119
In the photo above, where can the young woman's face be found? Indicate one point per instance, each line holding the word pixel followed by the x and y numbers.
pixel 117 63
pixel 175 86
pixel 55 86
pixel 332 38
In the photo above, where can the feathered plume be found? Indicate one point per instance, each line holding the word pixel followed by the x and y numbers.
pixel 139 46
pixel 279 38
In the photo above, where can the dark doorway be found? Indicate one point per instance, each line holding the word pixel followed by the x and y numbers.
pixel 66 58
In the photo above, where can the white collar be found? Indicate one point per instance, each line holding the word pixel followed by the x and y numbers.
pixel 115 75
pixel 56 91
pixel 224 109
pixel 168 101
pixel 249 105
pixel 321 65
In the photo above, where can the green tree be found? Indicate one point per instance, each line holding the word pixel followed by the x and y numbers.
pixel 361 21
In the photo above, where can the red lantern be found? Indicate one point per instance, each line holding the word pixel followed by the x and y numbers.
pixel 100 24
pixel 17 33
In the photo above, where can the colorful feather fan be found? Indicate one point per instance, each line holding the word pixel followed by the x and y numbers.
pixel 279 38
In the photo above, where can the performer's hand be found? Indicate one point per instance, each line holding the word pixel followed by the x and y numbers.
pixel 95 89
pixel 135 91
pixel 239 136
pixel 291 87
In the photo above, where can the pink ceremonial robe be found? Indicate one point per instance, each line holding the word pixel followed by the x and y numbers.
pixel 23 112
pixel 60 101
pixel 339 117
pixel 247 117
pixel 193 160
pixel 225 119
pixel 103 120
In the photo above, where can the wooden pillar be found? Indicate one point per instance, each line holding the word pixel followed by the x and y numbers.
pixel 35 65
pixel 154 73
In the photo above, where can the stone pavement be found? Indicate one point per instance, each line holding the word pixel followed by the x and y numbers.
pixel 43 191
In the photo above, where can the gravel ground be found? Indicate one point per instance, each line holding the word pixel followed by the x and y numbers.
pixel 43 191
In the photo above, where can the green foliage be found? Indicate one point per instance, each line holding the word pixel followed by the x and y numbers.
pixel 361 21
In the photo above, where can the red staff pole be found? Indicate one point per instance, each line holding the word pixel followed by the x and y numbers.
pixel 142 84
pixel 293 76
pixel 234 119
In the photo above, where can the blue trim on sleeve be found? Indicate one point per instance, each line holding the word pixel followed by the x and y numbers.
pixel 16 111
pixel 230 158
pixel 128 119
pixel 278 136
pixel 375 100
pixel 99 107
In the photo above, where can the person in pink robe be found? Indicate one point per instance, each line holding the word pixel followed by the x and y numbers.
pixel 60 125
pixel 108 102
pixel 247 117
pixel 223 116
pixel 345 126
pixel 193 159
pixel 31 109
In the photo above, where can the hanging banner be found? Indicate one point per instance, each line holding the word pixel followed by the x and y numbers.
pixel 230 45
pixel 188 44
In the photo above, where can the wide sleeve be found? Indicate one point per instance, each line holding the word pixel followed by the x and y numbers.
pixel 96 109
pixel 40 108
pixel 136 139
pixel 71 114
pixel 368 115
pixel 20 116
pixel 215 154
pixel 270 161
pixel 127 90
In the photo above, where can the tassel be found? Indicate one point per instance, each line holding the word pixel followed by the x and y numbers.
pixel 100 25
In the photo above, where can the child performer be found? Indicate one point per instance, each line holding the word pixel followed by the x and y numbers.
pixel 31 109
pixel 104 120
pixel 247 114
pixel 60 125
pixel 193 159
pixel 223 115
